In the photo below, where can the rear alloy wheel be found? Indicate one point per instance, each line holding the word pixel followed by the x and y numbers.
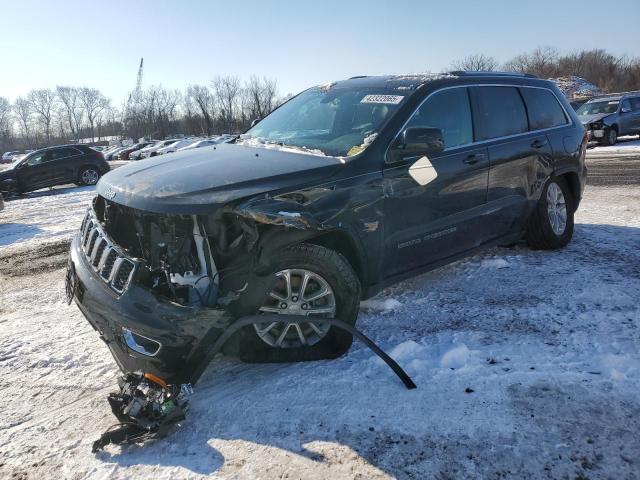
pixel 551 223
pixel 89 176
pixel 306 280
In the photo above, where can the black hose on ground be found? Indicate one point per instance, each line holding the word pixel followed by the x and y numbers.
pixel 249 320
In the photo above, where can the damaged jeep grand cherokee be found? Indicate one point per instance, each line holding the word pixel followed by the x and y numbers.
pixel 343 190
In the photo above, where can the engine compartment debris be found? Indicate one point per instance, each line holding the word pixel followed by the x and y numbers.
pixel 147 407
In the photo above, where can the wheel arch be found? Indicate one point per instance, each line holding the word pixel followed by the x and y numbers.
pixel 342 242
pixel 573 181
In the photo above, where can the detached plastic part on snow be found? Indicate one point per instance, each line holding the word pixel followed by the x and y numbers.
pixel 147 407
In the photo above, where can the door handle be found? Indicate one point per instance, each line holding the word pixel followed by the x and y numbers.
pixel 474 158
pixel 539 143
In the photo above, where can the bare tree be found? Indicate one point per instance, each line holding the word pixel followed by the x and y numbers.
pixel 42 104
pixel 227 91
pixel 202 98
pixel 93 103
pixel 23 112
pixel 478 62
pixel 543 62
pixel 259 97
pixel 74 114
pixel 5 123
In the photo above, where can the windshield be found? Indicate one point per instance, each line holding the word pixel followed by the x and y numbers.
pixel 594 108
pixel 337 122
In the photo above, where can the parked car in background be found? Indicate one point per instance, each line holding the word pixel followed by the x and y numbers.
pixel 172 147
pixel 12 156
pixel 608 117
pixel 54 166
pixel 151 150
pixel 113 154
pixel 125 154
pixel 199 144
pixel 7 157
pixel 338 193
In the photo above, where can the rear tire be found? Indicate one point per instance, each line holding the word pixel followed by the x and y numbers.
pixel 547 228
pixel 88 176
pixel 327 265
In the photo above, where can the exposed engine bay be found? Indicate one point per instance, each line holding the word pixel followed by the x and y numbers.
pixel 179 255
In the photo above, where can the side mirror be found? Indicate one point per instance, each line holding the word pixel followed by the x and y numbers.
pixel 255 121
pixel 416 142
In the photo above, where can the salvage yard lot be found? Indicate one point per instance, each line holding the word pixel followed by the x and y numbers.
pixel 527 365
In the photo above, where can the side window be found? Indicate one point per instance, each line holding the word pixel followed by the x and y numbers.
pixel 37 159
pixel 625 105
pixel 543 107
pixel 635 104
pixel 500 112
pixel 60 153
pixel 448 110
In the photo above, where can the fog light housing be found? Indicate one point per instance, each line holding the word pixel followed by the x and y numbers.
pixel 141 344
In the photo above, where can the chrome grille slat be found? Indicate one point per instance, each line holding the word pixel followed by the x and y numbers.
pixel 113 266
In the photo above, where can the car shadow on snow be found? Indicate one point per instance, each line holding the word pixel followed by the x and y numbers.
pixel 332 412
pixel 48 192
pixel 16 232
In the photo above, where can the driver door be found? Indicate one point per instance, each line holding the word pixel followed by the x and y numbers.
pixel 433 206
pixel 35 172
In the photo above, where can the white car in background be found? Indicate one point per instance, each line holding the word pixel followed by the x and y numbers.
pixel 113 154
pixel 199 144
pixel 151 150
pixel 176 145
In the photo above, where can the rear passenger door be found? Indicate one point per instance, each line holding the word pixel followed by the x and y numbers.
pixel 516 155
pixel 64 162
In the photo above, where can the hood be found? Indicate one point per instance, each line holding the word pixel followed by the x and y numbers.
pixel 8 173
pixel 201 180
pixel 586 119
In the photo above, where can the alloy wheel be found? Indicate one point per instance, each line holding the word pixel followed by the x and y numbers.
pixel 90 177
pixel 297 292
pixel 556 209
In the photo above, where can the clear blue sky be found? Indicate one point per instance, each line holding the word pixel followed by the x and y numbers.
pixel 99 44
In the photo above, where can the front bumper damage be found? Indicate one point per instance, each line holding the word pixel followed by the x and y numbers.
pixel 161 347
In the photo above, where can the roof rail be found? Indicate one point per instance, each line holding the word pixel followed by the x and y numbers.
pixel 467 73
pixel 358 76
pixel 617 94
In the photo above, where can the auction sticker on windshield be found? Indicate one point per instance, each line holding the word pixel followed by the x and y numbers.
pixel 387 99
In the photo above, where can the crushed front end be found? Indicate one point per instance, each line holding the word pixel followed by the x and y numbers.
pixel 148 283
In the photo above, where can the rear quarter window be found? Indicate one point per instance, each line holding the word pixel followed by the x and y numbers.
pixel 500 112
pixel 544 109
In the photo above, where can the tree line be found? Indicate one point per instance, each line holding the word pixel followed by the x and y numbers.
pixel 228 104
pixel 67 114
pixel 609 72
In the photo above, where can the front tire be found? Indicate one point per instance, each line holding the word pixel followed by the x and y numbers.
pixel 313 272
pixel 550 226
pixel 611 137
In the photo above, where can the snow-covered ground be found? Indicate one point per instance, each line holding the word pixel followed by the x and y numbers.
pixel 527 365
pixel 43 216
pixel 628 145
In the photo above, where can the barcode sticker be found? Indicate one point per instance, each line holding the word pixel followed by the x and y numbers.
pixel 388 99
